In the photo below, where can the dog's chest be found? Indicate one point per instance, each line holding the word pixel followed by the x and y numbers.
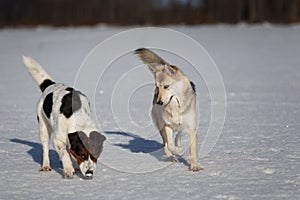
pixel 172 116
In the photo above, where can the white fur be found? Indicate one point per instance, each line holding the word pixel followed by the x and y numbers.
pixel 61 126
pixel 36 70
pixel 58 124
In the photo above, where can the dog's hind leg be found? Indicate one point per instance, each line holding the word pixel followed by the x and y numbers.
pixel 45 133
pixel 193 152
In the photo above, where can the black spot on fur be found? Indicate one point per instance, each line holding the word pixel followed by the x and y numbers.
pixel 38 118
pixel 193 86
pixel 69 89
pixel 155 95
pixel 72 89
pixel 70 103
pixel 47 105
pixel 78 141
pixel 46 83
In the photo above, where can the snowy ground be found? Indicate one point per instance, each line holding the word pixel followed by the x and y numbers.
pixel 256 157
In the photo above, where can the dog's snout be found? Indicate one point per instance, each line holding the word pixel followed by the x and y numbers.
pixel 89 173
pixel 159 102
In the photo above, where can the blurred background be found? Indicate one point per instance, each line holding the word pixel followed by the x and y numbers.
pixel 146 12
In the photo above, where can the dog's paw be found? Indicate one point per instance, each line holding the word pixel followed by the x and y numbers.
pixel 69 172
pixel 196 168
pixel 171 159
pixel 175 150
pixel 45 169
pixel 179 151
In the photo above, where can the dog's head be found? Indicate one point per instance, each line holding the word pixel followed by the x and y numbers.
pixel 86 150
pixel 170 81
pixel 171 84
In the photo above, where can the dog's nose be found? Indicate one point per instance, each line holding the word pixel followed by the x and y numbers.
pixel 159 102
pixel 89 173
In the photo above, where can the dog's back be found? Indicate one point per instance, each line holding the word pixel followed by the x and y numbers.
pixel 68 105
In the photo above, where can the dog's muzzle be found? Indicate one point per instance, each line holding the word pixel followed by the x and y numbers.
pixel 89 174
pixel 159 102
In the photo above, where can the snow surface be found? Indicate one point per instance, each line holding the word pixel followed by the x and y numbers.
pixel 256 157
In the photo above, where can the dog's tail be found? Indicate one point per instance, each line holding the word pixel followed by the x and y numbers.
pixel 149 57
pixel 39 75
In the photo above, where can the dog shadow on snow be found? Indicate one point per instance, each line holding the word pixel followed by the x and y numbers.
pixel 36 152
pixel 138 144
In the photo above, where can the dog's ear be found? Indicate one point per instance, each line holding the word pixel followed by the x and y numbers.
pixel 152 60
pixel 171 69
pixel 78 148
pixel 154 67
pixel 73 138
pixel 97 137
pixel 96 143
pixel 77 138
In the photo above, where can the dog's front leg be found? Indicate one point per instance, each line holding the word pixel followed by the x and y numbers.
pixel 169 148
pixel 166 134
pixel 65 158
pixel 193 152
pixel 178 143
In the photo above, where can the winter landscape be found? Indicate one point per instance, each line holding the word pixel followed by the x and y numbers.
pixel 254 154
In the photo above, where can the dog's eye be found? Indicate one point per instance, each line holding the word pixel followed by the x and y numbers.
pixel 93 159
pixel 83 157
pixel 166 86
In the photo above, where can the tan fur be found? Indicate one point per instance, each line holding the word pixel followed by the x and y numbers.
pixel 174 106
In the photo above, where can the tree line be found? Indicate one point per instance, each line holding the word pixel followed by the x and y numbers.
pixel 146 12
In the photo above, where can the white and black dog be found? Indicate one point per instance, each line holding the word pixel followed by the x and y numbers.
pixel 66 112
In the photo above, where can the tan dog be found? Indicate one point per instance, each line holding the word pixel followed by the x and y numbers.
pixel 174 106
